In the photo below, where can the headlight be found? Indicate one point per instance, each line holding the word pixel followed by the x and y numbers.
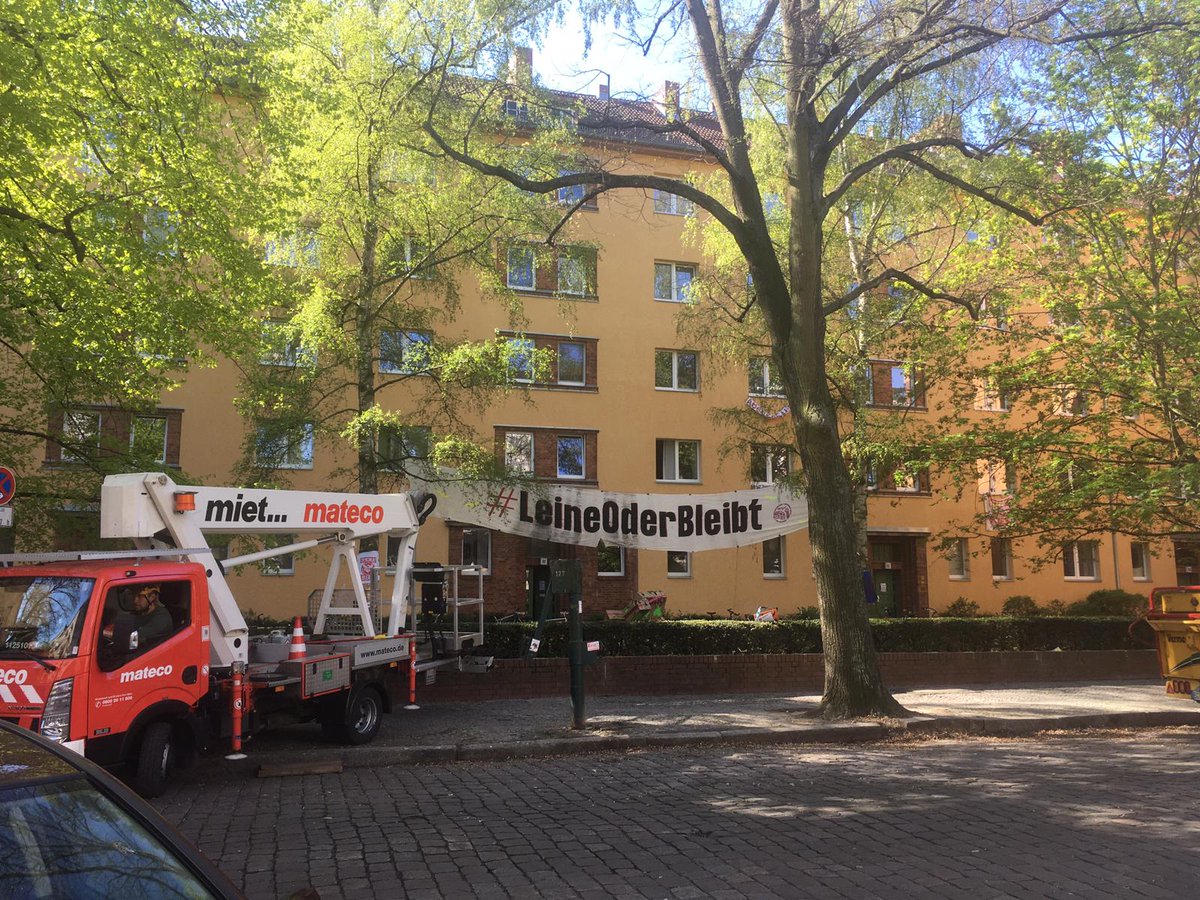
pixel 56 719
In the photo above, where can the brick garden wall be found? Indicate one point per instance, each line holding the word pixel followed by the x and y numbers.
pixel 770 673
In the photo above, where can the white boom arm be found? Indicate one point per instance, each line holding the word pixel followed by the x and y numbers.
pixel 143 506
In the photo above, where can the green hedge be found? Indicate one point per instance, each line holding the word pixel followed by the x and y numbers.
pixel 682 637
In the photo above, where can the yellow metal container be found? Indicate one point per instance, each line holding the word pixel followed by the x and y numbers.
pixel 1175 617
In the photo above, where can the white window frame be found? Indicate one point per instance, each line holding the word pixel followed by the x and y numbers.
pixel 513 453
pixel 558 459
pixel 675 358
pixel 1072 397
pixel 1145 566
pixel 305 445
pixel 662 447
pixel 300 248
pixel 291 354
pixel 572 194
pixel 668 204
pixel 406 340
pixel 519 348
pixel 959 557
pixel 276 566
pixel 166 426
pixel 761 365
pixel 782 544
pixel 1073 560
pixel 526 251
pixel 909 387
pixel 990 397
pixel 566 262
pixel 78 436
pixel 400 433
pixel 414 248
pixel 159 227
pixel 686 571
pixel 517 109
pixel 582 363
pixel 620 572
pixel 677 296
pixel 487 537
pixel 1007 559
pixel 770 454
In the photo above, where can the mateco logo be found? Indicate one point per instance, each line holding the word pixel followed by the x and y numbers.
pixel 147 672
pixel 14 676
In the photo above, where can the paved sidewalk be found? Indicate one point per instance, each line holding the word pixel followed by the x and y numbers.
pixel 506 729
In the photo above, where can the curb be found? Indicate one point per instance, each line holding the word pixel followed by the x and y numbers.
pixel 310 760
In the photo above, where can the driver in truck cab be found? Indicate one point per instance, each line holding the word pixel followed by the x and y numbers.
pixel 152 621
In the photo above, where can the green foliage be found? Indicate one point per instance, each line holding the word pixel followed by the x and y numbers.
pixel 1021 605
pixel 127 210
pixel 1109 602
pixel 681 637
pixel 961 608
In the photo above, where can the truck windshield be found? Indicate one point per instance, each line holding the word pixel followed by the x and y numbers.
pixel 43 616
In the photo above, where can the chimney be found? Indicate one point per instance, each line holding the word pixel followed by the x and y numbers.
pixel 668 99
pixel 520 65
pixel 603 89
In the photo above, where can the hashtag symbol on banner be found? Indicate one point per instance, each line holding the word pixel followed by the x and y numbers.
pixel 502 502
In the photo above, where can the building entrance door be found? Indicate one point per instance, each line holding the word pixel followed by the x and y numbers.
pixel 887 590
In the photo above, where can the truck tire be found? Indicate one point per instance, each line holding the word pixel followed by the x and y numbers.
pixel 364 715
pixel 155 760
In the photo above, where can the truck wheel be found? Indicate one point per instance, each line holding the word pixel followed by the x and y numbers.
pixel 364 715
pixel 156 759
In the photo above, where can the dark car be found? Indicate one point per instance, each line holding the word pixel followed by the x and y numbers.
pixel 70 830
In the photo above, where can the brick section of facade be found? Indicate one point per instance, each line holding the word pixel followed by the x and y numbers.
pixel 545 452
pixel 550 342
pixel 769 673
pixel 505 587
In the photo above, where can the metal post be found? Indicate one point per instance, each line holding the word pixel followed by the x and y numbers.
pixel 236 703
pixel 575 653
pixel 412 673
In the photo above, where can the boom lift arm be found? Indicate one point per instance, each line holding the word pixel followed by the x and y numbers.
pixel 156 513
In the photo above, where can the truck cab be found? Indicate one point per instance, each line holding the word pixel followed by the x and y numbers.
pixel 79 664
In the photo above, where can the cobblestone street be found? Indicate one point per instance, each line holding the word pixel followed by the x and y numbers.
pixel 1092 815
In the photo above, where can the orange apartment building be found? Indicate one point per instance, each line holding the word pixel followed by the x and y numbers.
pixel 626 408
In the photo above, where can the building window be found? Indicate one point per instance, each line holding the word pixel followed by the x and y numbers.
pixel 158 231
pixel 81 434
pixel 1139 553
pixel 1002 561
pixel 772 558
pixel 405 352
pixel 994 313
pixel 572 275
pixel 522 268
pixel 477 548
pixel 570 456
pixel 769 463
pixel 285 563
pixel 518 451
pixel 903 386
pixel 411 257
pixel 670 204
pixel 991 396
pixel 148 438
pixel 676 370
pixel 677 460
pixel 282 347
pixel 610 560
pixel 679 564
pixel 1081 561
pixel 290 450
pixel 997 476
pixel 672 281
pixel 400 443
pixel 763 380
pixel 572 363
pixel 517 109
pixel 959 559
pixel 1073 402
pixel 569 196
pixel 294 250
pixel 520 359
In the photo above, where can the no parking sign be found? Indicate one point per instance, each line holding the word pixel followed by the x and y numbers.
pixel 8 487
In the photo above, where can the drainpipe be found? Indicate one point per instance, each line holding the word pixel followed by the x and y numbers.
pixel 1116 561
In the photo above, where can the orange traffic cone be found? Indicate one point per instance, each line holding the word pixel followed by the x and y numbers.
pixel 299 650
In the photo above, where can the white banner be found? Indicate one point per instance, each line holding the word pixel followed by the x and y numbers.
pixel 567 515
